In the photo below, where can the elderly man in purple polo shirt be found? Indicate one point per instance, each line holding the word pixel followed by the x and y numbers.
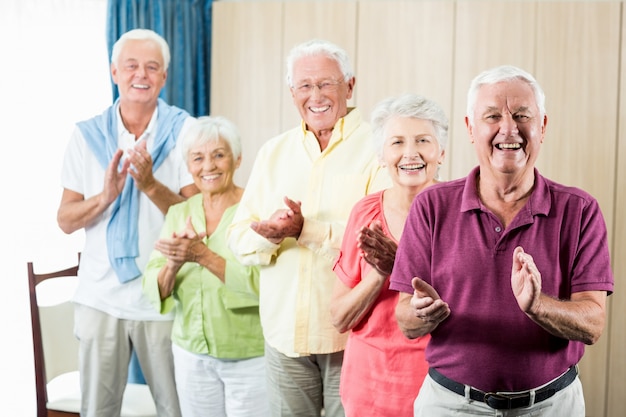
pixel 507 270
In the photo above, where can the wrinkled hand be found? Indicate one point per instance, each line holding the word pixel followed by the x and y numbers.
pixel 183 246
pixel 525 281
pixel 114 180
pixel 378 249
pixel 426 303
pixel 282 224
pixel 141 166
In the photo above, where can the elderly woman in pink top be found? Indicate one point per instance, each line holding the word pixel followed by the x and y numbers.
pixel 383 370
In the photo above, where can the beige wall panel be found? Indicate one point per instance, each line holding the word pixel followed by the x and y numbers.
pixel 487 34
pixel 246 72
pixel 304 20
pixel 405 46
pixel 616 389
pixel 577 65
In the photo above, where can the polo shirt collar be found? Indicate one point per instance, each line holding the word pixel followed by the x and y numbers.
pixel 538 203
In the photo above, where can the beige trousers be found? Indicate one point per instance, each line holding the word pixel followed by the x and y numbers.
pixel 304 386
pixel 434 400
pixel 106 344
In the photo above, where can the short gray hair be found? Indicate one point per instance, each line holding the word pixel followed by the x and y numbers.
pixel 142 35
pixel 316 47
pixel 408 105
pixel 211 128
pixel 503 73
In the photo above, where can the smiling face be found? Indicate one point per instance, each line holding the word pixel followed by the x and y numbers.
pixel 212 166
pixel 139 72
pixel 508 129
pixel 319 92
pixel 411 152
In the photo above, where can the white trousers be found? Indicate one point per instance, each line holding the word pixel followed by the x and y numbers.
pixel 434 400
pixel 212 387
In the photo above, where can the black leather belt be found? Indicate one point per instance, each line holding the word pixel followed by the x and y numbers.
pixel 501 401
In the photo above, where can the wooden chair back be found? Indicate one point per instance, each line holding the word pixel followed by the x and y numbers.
pixel 54 346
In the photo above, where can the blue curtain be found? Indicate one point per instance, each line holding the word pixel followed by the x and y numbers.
pixel 186 26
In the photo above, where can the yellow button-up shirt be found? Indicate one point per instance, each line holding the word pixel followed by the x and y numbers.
pixel 296 276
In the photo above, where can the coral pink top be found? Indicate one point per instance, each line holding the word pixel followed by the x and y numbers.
pixel 382 370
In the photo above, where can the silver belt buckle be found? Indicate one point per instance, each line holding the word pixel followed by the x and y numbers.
pixel 507 398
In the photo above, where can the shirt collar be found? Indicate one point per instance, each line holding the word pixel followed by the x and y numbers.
pixel 343 127
pixel 538 203
pixel 147 134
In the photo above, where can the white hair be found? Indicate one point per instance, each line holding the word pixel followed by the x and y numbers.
pixel 211 128
pixel 143 35
pixel 499 74
pixel 316 47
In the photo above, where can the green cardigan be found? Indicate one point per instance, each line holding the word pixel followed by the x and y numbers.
pixel 211 317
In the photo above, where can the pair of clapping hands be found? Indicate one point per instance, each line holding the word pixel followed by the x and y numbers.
pixel 380 251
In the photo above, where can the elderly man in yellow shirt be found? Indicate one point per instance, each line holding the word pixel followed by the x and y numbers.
pixel 291 221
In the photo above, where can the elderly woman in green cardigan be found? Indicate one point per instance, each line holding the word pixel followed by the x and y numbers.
pixel 217 341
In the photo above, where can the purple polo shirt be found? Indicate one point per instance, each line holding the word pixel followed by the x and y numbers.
pixel 456 244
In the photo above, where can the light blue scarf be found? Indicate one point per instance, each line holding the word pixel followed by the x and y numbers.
pixel 101 136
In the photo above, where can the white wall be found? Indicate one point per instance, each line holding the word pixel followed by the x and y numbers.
pixel 54 72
